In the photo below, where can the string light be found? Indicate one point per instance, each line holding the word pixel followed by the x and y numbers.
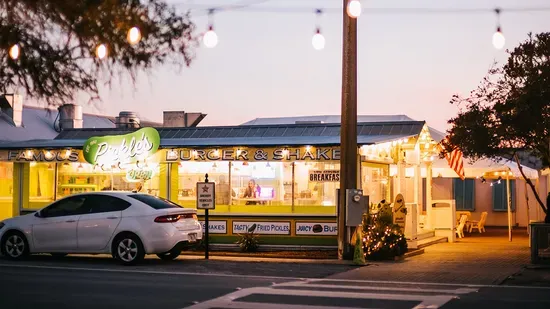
pixel 134 36
pixel 101 51
pixel 498 37
pixel 14 52
pixel 354 8
pixel 210 38
pixel 318 40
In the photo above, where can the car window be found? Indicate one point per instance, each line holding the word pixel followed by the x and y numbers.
pixel 70 206
pixel 155 202
pixel 105 203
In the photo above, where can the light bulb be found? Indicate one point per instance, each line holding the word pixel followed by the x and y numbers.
pixel 210 38
pixel 14 52
pixel 134 35
pixel 318 40
pixel 498 39
pixel 101 51
pixel 354 8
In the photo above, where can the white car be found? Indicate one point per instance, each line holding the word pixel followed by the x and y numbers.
pixel 125 224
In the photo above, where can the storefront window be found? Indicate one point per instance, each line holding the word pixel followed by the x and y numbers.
pixel 261 183
pixel 76 178
pixel 316 185
pixel 189 173
pixel 6 189
pixel 41 184
pixel 375 181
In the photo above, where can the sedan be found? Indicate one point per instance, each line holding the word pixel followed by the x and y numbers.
pixel 124 224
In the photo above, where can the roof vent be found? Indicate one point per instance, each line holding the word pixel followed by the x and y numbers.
pixel 12 105
pixel 127 120
pixel 181 119
pixel 70 116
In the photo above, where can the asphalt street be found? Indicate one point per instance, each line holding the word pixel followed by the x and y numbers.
pixel 80 282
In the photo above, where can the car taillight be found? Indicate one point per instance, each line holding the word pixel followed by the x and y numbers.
pixel 174 218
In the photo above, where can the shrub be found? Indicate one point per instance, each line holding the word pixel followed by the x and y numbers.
pixel 249 242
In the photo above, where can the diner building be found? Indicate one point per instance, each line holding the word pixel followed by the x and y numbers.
pixel 280 173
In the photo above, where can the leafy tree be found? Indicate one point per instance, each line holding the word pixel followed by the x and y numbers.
pixel 509 113
pixel 58 41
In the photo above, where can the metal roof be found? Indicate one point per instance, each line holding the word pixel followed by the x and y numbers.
pixel 323 119
pixel 267 135
pixel 38 123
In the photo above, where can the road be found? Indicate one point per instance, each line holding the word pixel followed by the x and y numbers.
pixel 77 282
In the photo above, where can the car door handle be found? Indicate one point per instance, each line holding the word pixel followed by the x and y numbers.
pixel 70 221
pixel 112 218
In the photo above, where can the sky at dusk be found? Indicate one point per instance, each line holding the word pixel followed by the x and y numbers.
pixel 265 66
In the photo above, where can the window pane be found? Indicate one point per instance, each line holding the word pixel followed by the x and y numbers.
pixel 268 184
pixel 189 173
pixel 67 207
pixel 6 189
pixel 374 181
pixel 41 184
pixel 105 203
pixel 82 177
pixel 154 201
pixel 316 185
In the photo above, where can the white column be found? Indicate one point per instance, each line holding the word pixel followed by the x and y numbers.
pixel 400 186
pixel 429 179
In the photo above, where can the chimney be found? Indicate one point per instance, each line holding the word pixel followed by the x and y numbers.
pixel 12 105
pixel 70 116
pixel 182 119
pixel 127 120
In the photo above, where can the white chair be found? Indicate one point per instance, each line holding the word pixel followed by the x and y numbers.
pixel 460 228
pixel 479 225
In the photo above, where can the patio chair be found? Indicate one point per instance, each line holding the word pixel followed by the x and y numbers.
pixel 460 228
pixel 479 225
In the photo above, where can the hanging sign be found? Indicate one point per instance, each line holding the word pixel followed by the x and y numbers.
pixel 128 148
pixel 206 195
pixel 137 174
pixel 324 176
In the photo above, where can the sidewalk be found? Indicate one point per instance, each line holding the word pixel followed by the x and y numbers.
pixel 487 258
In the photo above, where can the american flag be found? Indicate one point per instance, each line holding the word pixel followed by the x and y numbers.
pixel 455 161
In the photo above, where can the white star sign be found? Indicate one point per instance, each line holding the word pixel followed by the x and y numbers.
pixel 206 195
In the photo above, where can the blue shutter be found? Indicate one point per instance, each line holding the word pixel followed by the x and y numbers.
pixel 458 193
pixel 500 197
pixel 469 194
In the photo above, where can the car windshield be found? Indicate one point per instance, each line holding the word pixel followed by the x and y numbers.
pixel 155 202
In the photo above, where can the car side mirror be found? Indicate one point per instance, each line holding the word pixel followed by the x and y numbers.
pixel 38 214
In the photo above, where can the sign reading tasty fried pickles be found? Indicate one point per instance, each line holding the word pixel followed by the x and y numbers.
pixel 128 148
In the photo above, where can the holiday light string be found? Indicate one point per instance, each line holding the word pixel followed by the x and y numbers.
pixel 354 10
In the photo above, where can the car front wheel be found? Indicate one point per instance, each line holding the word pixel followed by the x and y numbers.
pixel 14 246
pixel 128 249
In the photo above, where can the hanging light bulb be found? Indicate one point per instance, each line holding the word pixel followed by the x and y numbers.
pixel 354 8
pixel 101 51
pixel 210 38
pixel 318 40
pixel 14 52
pixel 134 35
pixel 498 37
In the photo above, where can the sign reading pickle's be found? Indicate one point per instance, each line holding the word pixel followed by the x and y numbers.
pixel 128 148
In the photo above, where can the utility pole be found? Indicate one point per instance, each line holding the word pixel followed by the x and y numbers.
pixel 348 131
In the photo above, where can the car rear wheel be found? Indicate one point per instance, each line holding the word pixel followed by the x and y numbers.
pixel 128 249
pixel 14 245
pixel 169 256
